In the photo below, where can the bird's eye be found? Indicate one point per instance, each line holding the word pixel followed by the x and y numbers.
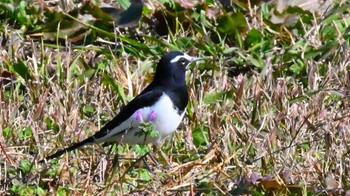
pixel 183 61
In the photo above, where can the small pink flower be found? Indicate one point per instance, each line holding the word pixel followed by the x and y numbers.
pixel 186 3
pixel 152 116
pixel 139 116
pixel 212 13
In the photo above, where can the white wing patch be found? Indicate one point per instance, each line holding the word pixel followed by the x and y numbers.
pixel 162 115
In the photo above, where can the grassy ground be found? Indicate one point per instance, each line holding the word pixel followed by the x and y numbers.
pixel 268 112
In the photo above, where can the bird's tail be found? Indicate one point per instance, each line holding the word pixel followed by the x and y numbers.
pixel 73 147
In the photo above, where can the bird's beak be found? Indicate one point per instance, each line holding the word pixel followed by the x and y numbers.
pixel 194 59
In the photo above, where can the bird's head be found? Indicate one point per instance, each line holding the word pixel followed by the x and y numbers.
pixel 173 66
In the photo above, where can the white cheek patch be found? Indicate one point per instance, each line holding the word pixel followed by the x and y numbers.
pixel 186 56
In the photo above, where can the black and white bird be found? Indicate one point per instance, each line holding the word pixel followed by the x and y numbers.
pixel 162 103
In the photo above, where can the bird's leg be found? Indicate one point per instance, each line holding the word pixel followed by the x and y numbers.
pixel 26 176
pixel 151 155
pixel 115 166
pixel 142 158
pixel 133 164
pixel 155 161
pixel 145 161
pixel 115 161
pixel 152 117
pixel 164 156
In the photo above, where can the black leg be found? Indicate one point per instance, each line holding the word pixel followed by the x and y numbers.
pixel 151 155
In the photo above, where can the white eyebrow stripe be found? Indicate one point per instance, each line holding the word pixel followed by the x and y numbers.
pixel 186 56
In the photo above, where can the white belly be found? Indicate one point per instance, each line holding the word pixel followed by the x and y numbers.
pixel 165 122
pixel 167 119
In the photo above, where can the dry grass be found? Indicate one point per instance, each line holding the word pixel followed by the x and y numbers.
pixel 264 131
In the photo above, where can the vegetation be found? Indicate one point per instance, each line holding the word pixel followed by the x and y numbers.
pixel 268 112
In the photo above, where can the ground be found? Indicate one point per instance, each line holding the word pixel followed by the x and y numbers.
pixel 268 111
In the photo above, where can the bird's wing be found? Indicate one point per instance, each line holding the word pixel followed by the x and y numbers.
pixel 121 122
pixel 125 118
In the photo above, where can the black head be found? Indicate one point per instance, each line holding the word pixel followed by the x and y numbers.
pixel 172 67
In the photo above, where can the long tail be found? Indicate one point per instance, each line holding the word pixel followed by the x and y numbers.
pixel 73 147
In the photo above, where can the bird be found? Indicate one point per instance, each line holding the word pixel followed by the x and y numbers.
pixel 161 104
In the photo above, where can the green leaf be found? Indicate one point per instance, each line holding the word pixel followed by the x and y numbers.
pixel 212 97
pixel 88 110
pixel 297 67
pixel 15 189
pixel 40 191
pixel 124 3
pixel 8 8
pixel 232 23
pixel 119 89
pixel 141 149
pixel 199 136
pixel 51 125
pixel 26 166
pixel 25 133
pixel 21 69
pixel 147 129
pixel 162 43
pixel 254 37
pixel 145 175
pixel 22 15
pixel 6 131
pixel 87 74
pixel 53 171
pixel 257 61
pixel 63 191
